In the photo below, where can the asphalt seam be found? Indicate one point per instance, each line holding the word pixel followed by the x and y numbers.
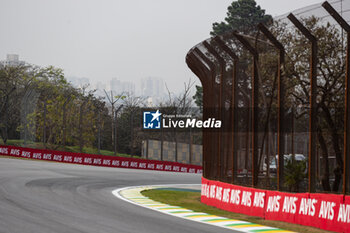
pixel 133 195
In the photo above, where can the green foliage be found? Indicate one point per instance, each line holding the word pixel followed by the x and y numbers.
pixel 198 97
pixel 122 97
pixel 58 114
pixel 295 173
pixel 330 80
pixel 15 83
pixel 129 134
pixel 243 16
pixel 38 105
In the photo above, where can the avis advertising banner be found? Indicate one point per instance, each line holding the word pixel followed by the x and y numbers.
pixel 97 160
pixel 326 211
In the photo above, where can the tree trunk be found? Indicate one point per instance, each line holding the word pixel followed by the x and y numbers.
pixel 64 123
pixel 115 132
pixel 99 133
pixel 4 133
pixel 132 133
pixel 81 140
pixel 44 125
pixel 338 175
pixel 335 142
pixel 4 112
pixel 161 144
pixel 325 177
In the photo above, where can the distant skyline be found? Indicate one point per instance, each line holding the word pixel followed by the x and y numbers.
pixel 105 39
pixel 152 88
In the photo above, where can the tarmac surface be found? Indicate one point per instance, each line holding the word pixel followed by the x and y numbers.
pixel 47 197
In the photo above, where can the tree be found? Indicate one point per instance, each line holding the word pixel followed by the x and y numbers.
pixel 181 104
pixel 113 100
pixel 242 16
pixel 295 174
pixel 47 117
pixel 129 137
pixel 198 97
pixel 38 103
pixel 330 86
pixel 15 81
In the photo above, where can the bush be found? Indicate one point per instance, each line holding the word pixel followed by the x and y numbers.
pixel 294 174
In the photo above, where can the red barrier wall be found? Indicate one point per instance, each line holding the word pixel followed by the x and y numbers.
pixel 326 211
pixel 233 198
pixel 97 160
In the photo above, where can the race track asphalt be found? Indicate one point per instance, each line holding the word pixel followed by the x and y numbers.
pixel 45 197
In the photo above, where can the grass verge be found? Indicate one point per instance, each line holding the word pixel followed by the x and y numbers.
pixel 191 200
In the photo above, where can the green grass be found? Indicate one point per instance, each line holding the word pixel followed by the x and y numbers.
pixel 75 149
pixel 89 150
pixel 191 200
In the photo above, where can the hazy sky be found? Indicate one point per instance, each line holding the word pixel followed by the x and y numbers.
pixel 125 39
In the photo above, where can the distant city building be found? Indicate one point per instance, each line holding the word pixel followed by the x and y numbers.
pixel 154 89
pixel 152 86
pixel 12 60
pixel 79 81
pixel 119 87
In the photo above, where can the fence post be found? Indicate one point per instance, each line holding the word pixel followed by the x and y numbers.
pixel 204 73
pixel 280 105
pixel 234 106
pixel 222 80
pixel 313 86
pixel 209 101
pixel 346 149
pixel 254 106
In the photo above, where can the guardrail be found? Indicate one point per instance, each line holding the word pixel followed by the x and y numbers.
pixel 97 160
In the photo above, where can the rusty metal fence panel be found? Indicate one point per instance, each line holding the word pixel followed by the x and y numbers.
pixel 254 137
